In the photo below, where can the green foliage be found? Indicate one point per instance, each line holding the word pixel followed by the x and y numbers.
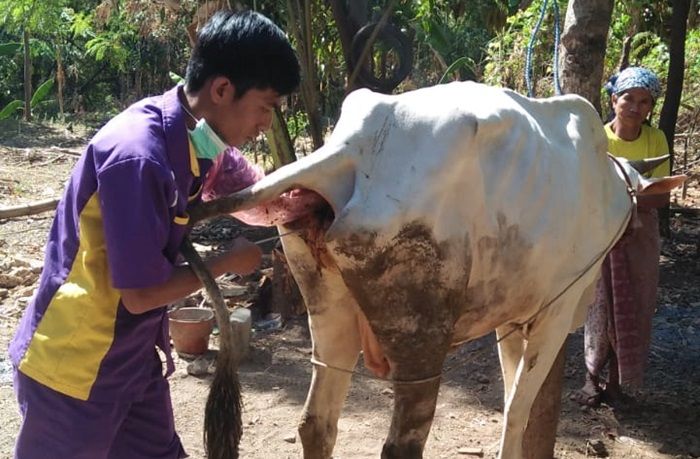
pixel 37 98
pixel 297 124
pixel 41 92
pixel 177 79
pixel 10 108
pixel 462 62
pixel 9 49
pixel 33 15
pixel 108 45
pixel 692 64
pixel 506 52
pixel 327 54
pixel 644 23
pixel 81 24
pixel 113 53
pixel 110 52
pixel 451 31
pixel 689 115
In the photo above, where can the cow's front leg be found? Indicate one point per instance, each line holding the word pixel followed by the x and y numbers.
pixel 414 408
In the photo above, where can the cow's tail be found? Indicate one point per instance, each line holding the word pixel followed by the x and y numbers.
pixel 328 171
pixel 223 428
pixel 222 415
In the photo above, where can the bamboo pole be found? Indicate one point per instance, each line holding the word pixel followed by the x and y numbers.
pixel 28 209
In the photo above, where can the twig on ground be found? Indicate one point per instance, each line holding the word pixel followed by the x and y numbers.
pixel 48 161
pixel 55 149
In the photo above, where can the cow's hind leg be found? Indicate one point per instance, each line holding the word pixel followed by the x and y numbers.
pixel 414 408
pixel 336 343
pixel 333 321
pixel 545 338
pixel 510 351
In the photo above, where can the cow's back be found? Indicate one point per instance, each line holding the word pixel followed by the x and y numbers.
pixel 470 198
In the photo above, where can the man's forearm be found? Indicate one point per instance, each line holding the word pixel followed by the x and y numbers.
pixel 182 283
pixel 243 258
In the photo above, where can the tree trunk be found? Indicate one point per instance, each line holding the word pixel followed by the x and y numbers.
pixel 27 77
pixel 674 88
pixel 541 432
pixel 350 16
pixel 300 24
pixel 280 143
pixel 583 43
pixel 60 80
pixel 676 69
pixel 346 29
pixel 524 4
pixel 282 283
pixel 626 50
pixel 693 15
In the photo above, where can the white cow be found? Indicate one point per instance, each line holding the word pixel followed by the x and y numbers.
pixel 456 210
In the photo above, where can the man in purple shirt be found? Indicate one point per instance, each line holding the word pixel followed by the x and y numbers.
pixel 88 378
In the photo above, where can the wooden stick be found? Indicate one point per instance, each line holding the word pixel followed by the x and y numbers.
pixel 28 209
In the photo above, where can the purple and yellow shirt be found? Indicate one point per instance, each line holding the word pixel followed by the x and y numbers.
pixel 119 225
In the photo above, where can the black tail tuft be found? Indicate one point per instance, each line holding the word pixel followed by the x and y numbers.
pixel 223 428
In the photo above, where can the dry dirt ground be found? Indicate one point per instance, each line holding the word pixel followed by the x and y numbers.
pixel 663 423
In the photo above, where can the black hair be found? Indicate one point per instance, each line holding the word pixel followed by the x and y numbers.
pixel 248 49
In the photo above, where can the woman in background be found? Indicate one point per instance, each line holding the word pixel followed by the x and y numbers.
pixel 618 327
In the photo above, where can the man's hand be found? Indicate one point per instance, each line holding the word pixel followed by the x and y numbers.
pixel 243 258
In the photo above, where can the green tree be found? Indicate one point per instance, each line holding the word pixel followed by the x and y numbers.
pixel 25 18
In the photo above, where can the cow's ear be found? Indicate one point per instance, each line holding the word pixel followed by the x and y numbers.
pixel 661 185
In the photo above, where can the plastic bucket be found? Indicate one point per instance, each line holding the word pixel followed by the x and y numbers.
pixel 190 329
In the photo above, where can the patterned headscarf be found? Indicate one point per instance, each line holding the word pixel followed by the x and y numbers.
pixel 634 77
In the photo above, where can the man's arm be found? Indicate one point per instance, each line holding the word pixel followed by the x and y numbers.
pixel 243 258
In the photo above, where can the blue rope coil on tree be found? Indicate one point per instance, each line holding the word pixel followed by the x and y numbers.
pixel 531 45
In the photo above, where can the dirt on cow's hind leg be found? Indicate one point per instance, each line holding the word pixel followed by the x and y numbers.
pixel 414 408
pixel 317 437
pixel 411 451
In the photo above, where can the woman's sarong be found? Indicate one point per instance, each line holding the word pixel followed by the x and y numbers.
pixel 620 318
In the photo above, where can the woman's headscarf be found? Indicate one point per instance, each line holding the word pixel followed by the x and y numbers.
pixel 634 77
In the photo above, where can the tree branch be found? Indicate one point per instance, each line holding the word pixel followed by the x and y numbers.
pixel 28 209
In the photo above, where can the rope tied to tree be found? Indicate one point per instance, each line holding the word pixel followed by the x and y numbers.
pixel 531 45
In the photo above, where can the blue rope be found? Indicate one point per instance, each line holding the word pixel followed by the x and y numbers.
pixel 557 39
pixel 531 44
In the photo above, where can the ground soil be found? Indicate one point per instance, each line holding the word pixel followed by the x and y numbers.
pixel 663 422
